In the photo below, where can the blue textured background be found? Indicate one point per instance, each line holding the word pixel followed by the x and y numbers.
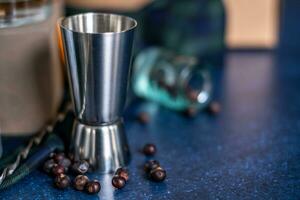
pixel 250 151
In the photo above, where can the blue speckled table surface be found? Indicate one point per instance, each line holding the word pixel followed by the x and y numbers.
pixel 251 150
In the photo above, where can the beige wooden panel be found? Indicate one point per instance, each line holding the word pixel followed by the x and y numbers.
pixel 252 23
pixel 122 5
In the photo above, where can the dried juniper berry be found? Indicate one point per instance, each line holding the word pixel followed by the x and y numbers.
pixel 93 187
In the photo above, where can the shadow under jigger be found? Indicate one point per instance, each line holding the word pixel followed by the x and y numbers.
pixel 98 49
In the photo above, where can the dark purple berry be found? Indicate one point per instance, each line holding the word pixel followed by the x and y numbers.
pixel 214 108
pixel 66 163
pixel 80 182
pixel 192 95
pixel 191 112
pixel 122 173
pixel 118 182
pixel 93 187
pixel 143 118
pixel 158 174
pixel 151 164
pixel 57 170
pixel 62 181
pixel 58 157
pixel 149 149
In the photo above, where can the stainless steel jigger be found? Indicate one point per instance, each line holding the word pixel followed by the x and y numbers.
pixel 97 49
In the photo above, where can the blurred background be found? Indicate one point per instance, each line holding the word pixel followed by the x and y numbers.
pixel 178 45
pixel 240 57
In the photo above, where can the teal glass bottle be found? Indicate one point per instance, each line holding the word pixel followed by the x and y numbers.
pixel 175 81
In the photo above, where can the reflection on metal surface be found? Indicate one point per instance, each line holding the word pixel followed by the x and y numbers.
pixel 107 190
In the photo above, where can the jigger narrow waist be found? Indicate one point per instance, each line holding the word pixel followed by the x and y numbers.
pixel 102 123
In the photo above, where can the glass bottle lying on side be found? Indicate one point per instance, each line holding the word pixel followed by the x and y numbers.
pixel 175 81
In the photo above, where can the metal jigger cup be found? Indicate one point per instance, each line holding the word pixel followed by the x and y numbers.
pixel 98 48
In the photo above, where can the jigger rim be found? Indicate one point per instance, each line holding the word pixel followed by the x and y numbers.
pixel 61 20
